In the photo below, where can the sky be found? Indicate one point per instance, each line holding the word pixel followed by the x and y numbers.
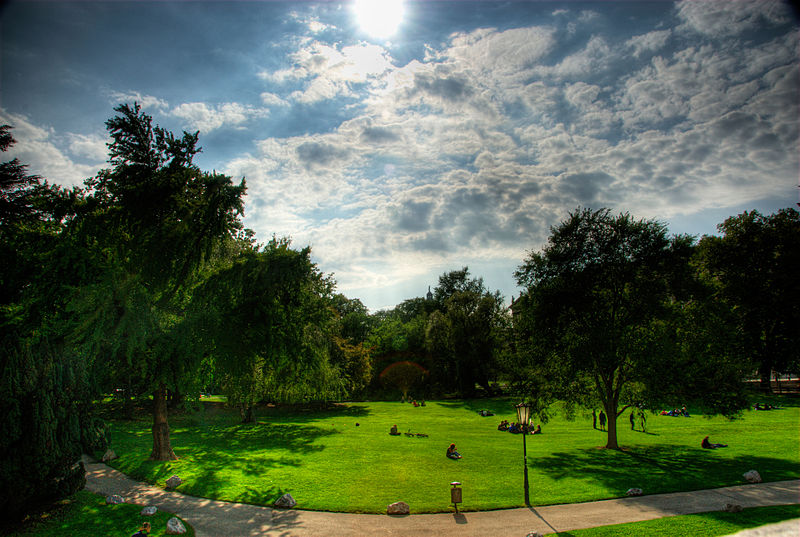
pixel 424 136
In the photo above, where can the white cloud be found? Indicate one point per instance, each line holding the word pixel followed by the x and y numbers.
pixel 331 70
pixel 147 101
pixel 721 18
pixel 270 99
pixel 649 42
pixel 475 150
pixel 510 52
pixel 205 118
pixel 92 146
pixel 37 148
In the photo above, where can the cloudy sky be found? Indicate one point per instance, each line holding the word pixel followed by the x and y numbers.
pixel 428 135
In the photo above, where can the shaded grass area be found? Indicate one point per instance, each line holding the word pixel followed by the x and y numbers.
pixel 699 525
pixel 87 515
pixel 343 459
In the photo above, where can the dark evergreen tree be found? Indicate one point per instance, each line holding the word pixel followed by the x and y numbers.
pixel 46 424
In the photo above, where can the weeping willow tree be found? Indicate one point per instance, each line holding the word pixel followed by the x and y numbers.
pixel 263 317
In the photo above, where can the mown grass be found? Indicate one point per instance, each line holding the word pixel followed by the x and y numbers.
pixel 343 459
pixel 711 524
pixel 87 515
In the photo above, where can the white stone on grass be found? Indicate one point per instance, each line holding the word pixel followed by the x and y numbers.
pixel 174 482
pixel 752 476
pixel 285 501
pixel 149 510
pixel 175 527
pixel 733 508
pixel 114 499
pixel 398 508
pixel 634 492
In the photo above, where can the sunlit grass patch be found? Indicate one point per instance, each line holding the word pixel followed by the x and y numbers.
pixel 343 459
pixel 699 525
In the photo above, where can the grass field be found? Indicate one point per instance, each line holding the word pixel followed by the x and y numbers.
pixel 703 524
pixel 328 462
pixel 87 515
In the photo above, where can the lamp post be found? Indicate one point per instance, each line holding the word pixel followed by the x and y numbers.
pixel 523 417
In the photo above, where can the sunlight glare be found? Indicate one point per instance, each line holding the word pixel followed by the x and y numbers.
pixel 379 18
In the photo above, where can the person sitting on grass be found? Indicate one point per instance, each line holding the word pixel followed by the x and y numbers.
pixel 503 426
pixel 393 431
pixel 537 430
pixel 708 445
pixel 452 453
pixel 145 529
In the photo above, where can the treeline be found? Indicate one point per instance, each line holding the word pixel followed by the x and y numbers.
pixel 144 284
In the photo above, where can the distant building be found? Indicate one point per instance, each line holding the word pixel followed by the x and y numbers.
pixel 429 296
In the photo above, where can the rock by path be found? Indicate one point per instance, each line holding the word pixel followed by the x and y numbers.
pixel 212 518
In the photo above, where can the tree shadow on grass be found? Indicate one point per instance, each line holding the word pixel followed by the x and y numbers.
pixel 220 455
pixel 496 405
pixel 660 469
pixel 306 414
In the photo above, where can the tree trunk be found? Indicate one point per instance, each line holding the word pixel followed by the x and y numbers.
pixel 175 399
pixel 127 401
pixel 765 372
pixel 162 450
pixel 246 411
pixel 611 416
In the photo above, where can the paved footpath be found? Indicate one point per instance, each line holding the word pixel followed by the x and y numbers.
pixel 212 518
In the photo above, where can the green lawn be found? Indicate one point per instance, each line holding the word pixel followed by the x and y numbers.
pixel 87 515
pixel 700 525
pixel 327 462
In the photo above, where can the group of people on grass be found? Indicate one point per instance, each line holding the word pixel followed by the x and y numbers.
pixel 516 428
pixel 763 406
pixel 676 412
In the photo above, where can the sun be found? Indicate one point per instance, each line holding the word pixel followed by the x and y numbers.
pixel 379 18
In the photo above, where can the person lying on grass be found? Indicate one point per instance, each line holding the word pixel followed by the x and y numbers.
pixel 452 453
pixel 708 445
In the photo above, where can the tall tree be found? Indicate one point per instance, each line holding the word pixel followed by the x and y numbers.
pixel 153 219
pixel 464 334
pixel 598 313
pixel 755 263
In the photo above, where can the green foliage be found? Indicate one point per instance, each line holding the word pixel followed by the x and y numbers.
pixel 464 336
pixel 607 316
pixel 262 317
pixel 44 400
pixel 754 264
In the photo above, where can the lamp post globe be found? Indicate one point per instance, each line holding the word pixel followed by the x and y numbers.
pixel 523 418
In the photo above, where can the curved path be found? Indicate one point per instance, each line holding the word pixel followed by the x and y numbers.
pixel 212 518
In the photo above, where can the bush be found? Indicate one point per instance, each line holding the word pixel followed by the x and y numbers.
pixel 44 409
